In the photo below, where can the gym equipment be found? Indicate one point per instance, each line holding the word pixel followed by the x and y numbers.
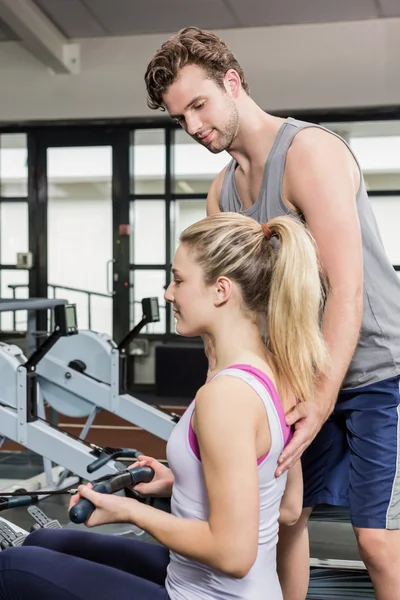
pixel 84 508
pixel 78 374
pixel 337 572
pixel 86 373
pixel 13 536
pixel 20 405
pixel 328 584
pixel 345 583
pixel 332 579
pixel 31 306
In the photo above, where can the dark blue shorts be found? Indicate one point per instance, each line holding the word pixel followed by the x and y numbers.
pixel 355 459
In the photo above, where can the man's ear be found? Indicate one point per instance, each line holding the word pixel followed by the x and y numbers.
pixel 232 82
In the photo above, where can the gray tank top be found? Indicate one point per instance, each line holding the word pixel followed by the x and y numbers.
pixel 377 356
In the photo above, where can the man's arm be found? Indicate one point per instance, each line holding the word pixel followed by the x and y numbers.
pixel 322 183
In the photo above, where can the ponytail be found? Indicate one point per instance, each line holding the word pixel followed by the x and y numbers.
pixel 277 269
pixel 294 305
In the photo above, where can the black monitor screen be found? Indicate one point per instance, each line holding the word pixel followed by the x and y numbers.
pixel 70 316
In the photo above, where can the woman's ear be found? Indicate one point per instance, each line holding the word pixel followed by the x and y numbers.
pixel 223 290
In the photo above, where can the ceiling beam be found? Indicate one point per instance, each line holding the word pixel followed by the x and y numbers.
pixel 40 37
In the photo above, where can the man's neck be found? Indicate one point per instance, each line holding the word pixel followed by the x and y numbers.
pixel 255 138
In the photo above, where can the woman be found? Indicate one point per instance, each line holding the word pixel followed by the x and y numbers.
pixel 255 291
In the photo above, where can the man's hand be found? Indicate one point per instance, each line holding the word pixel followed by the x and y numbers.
pixel 307 419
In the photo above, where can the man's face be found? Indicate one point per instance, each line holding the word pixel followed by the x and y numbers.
pixel 207 112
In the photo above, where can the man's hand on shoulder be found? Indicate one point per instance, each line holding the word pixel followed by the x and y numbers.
pixel 307 419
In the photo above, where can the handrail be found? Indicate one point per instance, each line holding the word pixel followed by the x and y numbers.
pixel 54 287
pixel 14 286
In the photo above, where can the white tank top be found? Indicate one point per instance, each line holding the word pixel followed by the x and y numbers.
pixel 190 580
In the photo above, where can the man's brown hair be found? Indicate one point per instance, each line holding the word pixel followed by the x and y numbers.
pixel 190 46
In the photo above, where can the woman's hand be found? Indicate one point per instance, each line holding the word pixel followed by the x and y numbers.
pixel 109 507
pixel 161 484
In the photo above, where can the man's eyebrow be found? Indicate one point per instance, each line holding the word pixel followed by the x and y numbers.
pixel 187 106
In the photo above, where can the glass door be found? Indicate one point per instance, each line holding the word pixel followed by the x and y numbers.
pixel 13 228
pixel 85 196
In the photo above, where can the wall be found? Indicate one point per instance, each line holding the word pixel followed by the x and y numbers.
pixel 293 67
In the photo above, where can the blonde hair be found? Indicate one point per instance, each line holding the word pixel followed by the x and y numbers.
pixel 190 46
pixel 278 272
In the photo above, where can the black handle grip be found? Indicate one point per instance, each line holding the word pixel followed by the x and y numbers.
pixel 100 462
pixel 141 475
pixel 18 501
pixel 84 508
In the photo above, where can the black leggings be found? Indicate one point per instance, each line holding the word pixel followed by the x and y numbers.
pixel 67 564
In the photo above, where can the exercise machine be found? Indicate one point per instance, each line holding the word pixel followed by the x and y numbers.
pixel 336 569
pixel 77 373
pixel 327 581
pixel 22 410
pixel 87 372
pixel 11 535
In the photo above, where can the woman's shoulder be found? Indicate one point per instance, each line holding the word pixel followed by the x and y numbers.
pixel 267 375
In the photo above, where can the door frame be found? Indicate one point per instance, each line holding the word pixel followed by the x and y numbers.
pixel 39 140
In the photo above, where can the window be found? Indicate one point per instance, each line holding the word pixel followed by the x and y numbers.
pixel 147 222
pixel 147 159
pixel 387 213
pixel 147 284
pixel 13 231
pixel 195 167
pixel 79 231
pixel 13 321
pixel 182 214
pixel 376 145
pixel 13 165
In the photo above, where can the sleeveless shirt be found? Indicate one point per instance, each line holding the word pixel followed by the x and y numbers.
pixel 189 579
pixel 377 355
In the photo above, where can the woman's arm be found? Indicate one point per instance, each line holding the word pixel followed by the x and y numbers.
pixel 226 432
pixel 292 500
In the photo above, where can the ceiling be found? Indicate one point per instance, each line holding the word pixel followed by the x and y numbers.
pixel 94 18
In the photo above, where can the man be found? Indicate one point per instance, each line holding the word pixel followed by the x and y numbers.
pixel 284 166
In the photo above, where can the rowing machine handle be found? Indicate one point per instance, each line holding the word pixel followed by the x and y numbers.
pixel 81 511
pixel 119 453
